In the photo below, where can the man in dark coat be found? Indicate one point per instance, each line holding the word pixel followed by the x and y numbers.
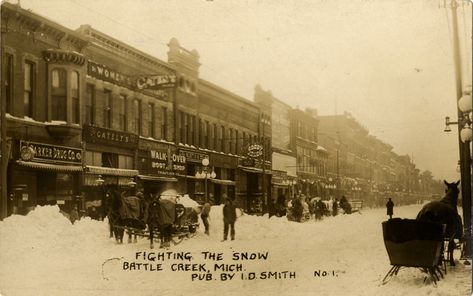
pixel 335 207
pixel 166 216
pixel 204 214
pixel 390 208
pixel 229 218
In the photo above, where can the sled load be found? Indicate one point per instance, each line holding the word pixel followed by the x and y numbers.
pixel 177 215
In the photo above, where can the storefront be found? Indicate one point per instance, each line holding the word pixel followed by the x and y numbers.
pixel 161 167
pixel 209 182
pixel 43 174
pixel 109 163
pixel 250 192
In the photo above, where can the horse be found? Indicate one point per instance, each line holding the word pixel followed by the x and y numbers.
pixel 444 211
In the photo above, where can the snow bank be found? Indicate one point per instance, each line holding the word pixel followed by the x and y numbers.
pixel 44 254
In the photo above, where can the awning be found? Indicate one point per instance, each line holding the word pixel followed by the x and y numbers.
pixel 321 148
pixel 278 184
pixel 110 171
pixel 254 170
pixel 157 178
pixel 50 167
pixel 223 182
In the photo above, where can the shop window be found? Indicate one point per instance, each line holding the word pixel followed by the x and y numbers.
pixel 75 97
pixel 8 74
pixel 122 118
pixel 93 158
pixel 109 160
pixel 59 94
pixel 125 162
pixel 28 88
pixel 137 116
pixel 90 104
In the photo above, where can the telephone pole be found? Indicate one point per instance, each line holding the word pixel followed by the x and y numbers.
pixel 464 148
pixel 3 137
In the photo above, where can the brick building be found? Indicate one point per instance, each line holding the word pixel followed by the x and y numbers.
pixel 86 112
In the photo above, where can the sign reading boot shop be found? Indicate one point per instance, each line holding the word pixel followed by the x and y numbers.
pixel 164 162
pixel 49 153
pixel 99 135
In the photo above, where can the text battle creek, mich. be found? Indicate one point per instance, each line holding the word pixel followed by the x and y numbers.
pixel 206 265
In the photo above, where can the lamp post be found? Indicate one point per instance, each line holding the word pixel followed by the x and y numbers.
pixel 463 100
pixel 205 175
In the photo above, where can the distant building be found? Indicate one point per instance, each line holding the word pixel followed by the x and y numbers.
pixel 284 165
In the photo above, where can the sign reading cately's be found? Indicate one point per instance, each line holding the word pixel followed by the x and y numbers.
pixel 94 134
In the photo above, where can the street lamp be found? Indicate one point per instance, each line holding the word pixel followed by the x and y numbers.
pixel 205 175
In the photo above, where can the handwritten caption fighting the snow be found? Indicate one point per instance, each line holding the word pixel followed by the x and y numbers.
pixel 208 266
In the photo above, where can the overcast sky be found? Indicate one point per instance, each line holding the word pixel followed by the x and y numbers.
pixel 388 62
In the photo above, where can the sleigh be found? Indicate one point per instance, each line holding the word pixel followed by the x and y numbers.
pixel 184 226
pixel 414 244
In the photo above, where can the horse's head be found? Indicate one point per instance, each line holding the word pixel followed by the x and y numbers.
pixel 451 193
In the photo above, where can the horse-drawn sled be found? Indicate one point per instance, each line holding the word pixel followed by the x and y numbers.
pixel 172 218
pixel 428 241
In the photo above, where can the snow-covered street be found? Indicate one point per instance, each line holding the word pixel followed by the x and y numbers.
pixel 43 254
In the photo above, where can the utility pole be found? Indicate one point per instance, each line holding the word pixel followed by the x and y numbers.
pixel 464 148
pixel 3 138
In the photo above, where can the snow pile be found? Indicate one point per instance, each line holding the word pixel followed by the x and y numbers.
pixel 187 201
pixel 44 254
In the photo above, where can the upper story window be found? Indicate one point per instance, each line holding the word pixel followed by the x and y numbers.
pixel 190 129
pixel 237 142
pixel 137 116
pixel 222 137
pixel 75 97
pixel 8 78
pixel 59 94
pixel 107 108
pixel 151 121
pixel 90 104
pixel 28 88
pixel 122 118
pixel 215 137
pixel 164 123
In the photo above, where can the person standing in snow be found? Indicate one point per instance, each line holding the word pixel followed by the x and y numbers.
pixel 335 207
pixel 74 216
pixel 297 209
pixel 229 218
pixel 390 208
pixel 204 215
